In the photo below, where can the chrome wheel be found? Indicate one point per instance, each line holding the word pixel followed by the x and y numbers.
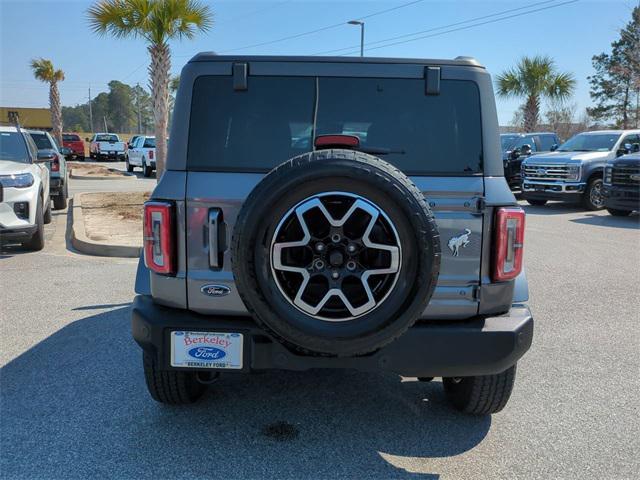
pixel 335 256
pixel 595 194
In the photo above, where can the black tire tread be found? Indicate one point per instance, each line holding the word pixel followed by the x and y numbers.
pixel 481 395
pixel 362 161
pixel 170 387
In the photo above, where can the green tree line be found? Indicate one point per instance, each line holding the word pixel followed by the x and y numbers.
pixel 124 108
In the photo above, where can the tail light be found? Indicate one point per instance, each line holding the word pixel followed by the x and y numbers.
pixel 509 244
pixel 55 165
pixel 159 237
pixel 151 154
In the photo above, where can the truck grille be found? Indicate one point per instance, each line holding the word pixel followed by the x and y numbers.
pixel 546 172
pixel 622 176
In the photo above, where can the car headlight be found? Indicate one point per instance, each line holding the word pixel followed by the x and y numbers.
pixel 21 180
pixel 608 174
pixel 573 172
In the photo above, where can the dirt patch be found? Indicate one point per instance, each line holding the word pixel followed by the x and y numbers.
pixel 93 170
pixel 114 217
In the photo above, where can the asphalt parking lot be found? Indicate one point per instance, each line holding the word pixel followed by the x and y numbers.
pixel 74 404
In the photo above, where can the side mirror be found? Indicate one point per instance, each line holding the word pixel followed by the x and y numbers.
pixel 515 153
pixel 45 157
pixel 554 147
pixel 526 149
pixel 636 148
pixel 87 139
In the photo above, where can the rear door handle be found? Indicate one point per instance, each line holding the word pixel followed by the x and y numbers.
pixel 215 252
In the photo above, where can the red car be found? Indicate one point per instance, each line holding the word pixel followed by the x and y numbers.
pixel 74 142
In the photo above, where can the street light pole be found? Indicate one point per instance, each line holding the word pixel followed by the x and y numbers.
pixel 358 22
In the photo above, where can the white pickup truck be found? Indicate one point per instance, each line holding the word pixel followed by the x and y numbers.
pixel 106 146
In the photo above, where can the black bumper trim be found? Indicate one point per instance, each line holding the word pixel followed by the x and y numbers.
pixel 562 196
pixel 481 346
pixel 17 234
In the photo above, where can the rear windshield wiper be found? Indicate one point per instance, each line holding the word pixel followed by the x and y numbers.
pixel 380 150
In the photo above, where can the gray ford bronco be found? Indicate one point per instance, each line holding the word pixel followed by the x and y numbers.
pixel 333 213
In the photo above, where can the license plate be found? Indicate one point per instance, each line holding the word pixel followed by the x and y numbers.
pixel 206 350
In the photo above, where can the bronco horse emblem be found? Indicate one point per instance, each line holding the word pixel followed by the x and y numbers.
pixel 458 241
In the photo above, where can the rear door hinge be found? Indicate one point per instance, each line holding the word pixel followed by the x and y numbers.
pixel 481 205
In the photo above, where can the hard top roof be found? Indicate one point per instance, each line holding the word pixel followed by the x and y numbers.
pixel 461 61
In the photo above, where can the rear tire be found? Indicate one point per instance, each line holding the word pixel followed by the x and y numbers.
pixel 619 213
pixel 170 387
pixel 536 203
pixel 147 169
pixel 592 198
pixel 480 395
pixel 338 330
pixel 36 242
pixel 47 213
pixel 60 201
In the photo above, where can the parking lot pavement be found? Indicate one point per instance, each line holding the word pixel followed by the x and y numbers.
pixel 73 400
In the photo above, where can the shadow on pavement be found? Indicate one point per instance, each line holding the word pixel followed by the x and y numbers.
pixel 75 405
pixel 632 221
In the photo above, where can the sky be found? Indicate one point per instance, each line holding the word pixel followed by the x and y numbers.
pixel 570 31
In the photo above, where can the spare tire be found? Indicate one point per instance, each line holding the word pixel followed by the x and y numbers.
pixel 336 252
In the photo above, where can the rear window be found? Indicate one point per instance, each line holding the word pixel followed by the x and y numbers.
pixel 546 142
pixel 41 141
pixel 149 143
pixel 70 138
pixel 107 138
pixel 257 129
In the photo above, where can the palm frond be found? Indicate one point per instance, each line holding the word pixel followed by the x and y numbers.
pixel 119 18
pixel 510 84
pixel 44 71
pixel 561 86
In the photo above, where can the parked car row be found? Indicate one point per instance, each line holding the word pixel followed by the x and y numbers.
pixel 25 201
pixel 597 169
pixel 139 151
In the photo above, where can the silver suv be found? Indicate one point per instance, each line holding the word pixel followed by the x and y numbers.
pixel 334 213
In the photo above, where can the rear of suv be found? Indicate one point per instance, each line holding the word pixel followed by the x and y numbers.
pixel 333 213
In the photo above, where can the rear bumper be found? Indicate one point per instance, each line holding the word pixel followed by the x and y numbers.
pixel 621 198
pixel 481 346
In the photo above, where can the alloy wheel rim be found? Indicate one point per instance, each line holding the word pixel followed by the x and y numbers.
pixel 595 195
pixel 335 256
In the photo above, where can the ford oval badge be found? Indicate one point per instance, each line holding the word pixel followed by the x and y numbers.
pixel 207 353
pixel 215 290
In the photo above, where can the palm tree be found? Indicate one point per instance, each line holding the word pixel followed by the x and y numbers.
pixel 44 71
pixel 535 78
pixel 156 21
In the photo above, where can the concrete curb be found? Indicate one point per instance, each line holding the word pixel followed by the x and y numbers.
pixel 84 244
pixel 125 176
